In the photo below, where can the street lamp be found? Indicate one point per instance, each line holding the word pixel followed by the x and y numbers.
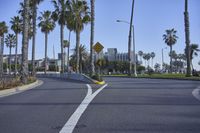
pixel 134 54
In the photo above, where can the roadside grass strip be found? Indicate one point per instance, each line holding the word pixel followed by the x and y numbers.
pixel 73 120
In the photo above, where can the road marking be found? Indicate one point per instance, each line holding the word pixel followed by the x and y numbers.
pixel 73 120
pixel 196 93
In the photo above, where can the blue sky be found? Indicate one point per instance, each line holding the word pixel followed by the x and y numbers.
pixel 151 19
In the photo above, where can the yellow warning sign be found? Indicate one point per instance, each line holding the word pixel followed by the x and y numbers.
pixel 98 47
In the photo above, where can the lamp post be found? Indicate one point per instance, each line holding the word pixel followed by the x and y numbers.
pixel 134 54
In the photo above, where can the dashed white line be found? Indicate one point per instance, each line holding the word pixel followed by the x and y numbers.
pixel 73 120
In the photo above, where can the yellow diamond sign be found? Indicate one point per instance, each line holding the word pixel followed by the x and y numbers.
pixel 98 47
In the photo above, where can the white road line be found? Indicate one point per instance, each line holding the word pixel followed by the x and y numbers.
pixel 196 93
pixel 73 120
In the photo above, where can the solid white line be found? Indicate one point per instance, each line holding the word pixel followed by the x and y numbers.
pixel 196 93
pixel 73 120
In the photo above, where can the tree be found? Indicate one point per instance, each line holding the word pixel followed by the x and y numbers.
pixel 193 49
pixel 83 56
pixel 33 6
pixel 16 23
pixel 92 2
pixel 46 24
pixel 157 67
pixel 79 13
pixel 66 45
pixel 170 39
pixel 3 30
pixel 187 38
pixel 10 41
pixel 152 57
pixel 60 15
pixel 140 53
pixel 25 38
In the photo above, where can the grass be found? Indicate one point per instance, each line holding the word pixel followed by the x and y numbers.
pixel 161 76
pixel 8 83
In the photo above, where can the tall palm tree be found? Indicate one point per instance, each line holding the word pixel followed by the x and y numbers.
pixel 92 2
pixel 80 16
pixel 60 15
pixel 148 57
pixel 25 39
pixel 194 49
pixel 152 57
pixel 170 39
pixel 140 53
pixel 66 45
pixel 187 39
pixel 33 5
pixel 46 24
pixel 16 23
pixel 10 41
pixel 3 30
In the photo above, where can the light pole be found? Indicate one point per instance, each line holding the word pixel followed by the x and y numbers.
pixel 134 54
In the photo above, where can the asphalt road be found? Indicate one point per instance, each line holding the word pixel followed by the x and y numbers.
pixel 124 106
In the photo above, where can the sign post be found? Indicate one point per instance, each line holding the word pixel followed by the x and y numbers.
pixel 98 47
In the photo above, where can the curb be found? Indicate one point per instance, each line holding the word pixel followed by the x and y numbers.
pixel 154 78
pixel 99 82
pixel 20 89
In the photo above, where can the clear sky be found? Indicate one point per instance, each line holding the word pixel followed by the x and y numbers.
pixel 151 19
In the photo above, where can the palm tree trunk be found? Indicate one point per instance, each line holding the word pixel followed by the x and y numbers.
pixel 170 59
pixel 1 55
pixel 33 39
pixel 77 50
pixel 24 66
pixel 68 51
pixel 92 38
pixel 187 38
pixel 61 42
pixel 45 58
pixel 16 54
pixel 10 60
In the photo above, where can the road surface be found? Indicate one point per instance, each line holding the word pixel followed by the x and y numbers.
pixel 124 106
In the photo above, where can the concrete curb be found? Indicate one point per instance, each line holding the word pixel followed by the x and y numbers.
pixel 20 89
pixel 154 78
pixel 68 76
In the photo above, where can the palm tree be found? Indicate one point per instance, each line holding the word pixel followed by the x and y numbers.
pixel 187 38
pixel 33 6
pixel 25 39
pixel 79 16
pixel 83 55
pixel 148 57
pixel 170 39
pixel 3 30
pixel 46 24
pixel 194 49
pixel 10 41
pixel 16 23
pixel 60 15
pixel 140 53
pixel 152 57
pixel 92 2
pixel 66 45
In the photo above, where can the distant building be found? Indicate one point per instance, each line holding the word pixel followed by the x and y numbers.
pixel 112 54
pixel 6 58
